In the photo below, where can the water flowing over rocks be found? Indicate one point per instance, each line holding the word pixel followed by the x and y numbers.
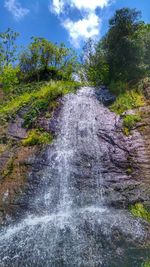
pixel 73 208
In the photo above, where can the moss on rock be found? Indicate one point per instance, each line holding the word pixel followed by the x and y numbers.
pixel 138 210
pixel 37 137
pixel 129 122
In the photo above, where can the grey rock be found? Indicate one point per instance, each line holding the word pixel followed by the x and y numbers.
pixel 104 95
pixel 73 210
pixel 16 130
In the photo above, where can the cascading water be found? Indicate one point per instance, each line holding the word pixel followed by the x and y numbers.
pixel 72 225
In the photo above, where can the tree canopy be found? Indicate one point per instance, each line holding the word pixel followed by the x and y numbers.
pixel 123 54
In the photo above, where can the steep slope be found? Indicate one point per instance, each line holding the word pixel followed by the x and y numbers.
pixel 72 213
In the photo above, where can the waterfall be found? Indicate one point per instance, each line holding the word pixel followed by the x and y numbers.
pixel 73 225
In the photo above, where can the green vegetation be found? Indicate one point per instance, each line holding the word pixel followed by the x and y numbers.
pixel 118 87
pixel 8 47
pixel 34 78
pixel 8 170
pixel 129 122
pixel 45 99
pixel 43 60
pixel 36 100
pixel 22 88
pixel 138 210
pixel 121 60
pixel 31 82
pixel 94 64
pixel 128 100
pixel 129 170
pixel 146 264
pixel 122 57
pixel 9 78
pixel 37 137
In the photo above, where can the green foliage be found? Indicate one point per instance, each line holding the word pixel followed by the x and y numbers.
pixel 126 101
pixel 123 50
pixel 138 210
pixel 36 107
pixel 95 66
pixel 143 37
pixel 39 99
pixel 9 109
pixel 8 170
pixel 44 60
pixel 122 56
pixel 37 137
pixel 22 88
pixel 129 122
pixel 8 47
pixel 46 96
pixel 146 264
pixel 118 87
pixel 9 78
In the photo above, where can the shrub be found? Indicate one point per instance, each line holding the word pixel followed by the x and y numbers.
pixel 38 100
pixel 22 88
pixel 37 137
pixel 9 78
pixel 36 107
pixel 118 87
pixel 138 210
pixel 9 109
pixel 126 101
pixel 129 122
pixel 146 264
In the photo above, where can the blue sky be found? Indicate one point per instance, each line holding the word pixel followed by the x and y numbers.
pixel 68 21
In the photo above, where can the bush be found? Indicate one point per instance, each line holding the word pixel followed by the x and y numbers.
pixel 126 101
pixel 50 73
pixel 35 108
pixel 118 87
pixel 138 210
pixel 9 78
pixel 37 100
pixel 129 122
pixel 146 264
pixel 37 137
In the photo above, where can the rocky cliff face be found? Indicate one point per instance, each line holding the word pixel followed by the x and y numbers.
pixel 70 210
pixel 125 161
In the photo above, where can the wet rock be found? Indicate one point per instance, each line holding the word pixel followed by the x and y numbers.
pixel 16 130
pixel 104 95
pixel 114 160
pixel 43 123
pixel 65 209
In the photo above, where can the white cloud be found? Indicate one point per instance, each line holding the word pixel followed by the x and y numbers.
pixel 16 9
pixel 88 26
pixel 58 6
pixel 83 29
pixel 91 5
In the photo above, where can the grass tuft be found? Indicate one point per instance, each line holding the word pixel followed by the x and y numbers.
pixel 129 122
pixel 37 137
pixel 126 101
pixel 146 264
pixel 138 210
pixel 36 100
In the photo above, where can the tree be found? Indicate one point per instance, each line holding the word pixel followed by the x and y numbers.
pixel 43 50
pixel 45 60
pixel 143 37
pixel 8 47
pixel 9 78
pixel 94 63
pixel 124 55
